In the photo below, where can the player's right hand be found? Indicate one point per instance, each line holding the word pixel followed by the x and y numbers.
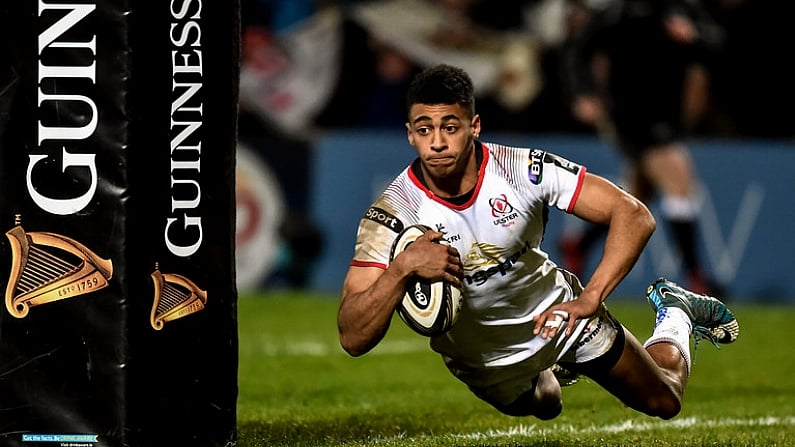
pixel 431 260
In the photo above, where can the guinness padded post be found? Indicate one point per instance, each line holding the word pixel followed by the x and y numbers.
pixel 117 150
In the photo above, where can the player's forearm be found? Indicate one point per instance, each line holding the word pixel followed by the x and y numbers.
pixel 629 231
pixel 364 316
pixel 364 324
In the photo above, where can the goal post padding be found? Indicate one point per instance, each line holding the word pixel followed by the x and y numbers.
pixel 117 161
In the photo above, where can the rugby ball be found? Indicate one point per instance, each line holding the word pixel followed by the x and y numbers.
pixel 429 308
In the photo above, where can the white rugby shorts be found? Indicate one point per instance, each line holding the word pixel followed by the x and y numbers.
pixel 502 385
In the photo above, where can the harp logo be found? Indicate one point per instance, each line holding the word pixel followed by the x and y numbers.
pixel 175 297
pixel 48 267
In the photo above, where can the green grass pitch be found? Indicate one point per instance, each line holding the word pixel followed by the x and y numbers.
pixel 298 388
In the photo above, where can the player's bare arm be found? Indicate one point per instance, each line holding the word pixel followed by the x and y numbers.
pixel 630 225
pixel 370 294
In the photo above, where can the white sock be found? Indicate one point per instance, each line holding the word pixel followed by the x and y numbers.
pixel 680 208
pixel 673 326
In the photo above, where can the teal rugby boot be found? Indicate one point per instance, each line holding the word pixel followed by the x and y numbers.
pixel 711 318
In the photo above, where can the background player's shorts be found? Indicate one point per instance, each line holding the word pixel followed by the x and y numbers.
pixel 635 138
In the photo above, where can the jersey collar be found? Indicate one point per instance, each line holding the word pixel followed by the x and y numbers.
pixel 461 202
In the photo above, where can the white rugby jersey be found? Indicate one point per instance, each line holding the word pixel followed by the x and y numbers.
pixel 498 232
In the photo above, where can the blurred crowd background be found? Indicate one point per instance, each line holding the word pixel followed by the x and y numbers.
pixel 314 66
pixel 323 64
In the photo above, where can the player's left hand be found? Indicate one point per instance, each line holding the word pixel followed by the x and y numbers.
pixel 563 316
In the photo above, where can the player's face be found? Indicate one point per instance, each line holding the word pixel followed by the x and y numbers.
pixel 443 135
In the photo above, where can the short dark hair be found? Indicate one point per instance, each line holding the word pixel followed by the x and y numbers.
pixel 442 84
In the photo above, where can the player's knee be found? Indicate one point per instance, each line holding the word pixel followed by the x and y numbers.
pixel 548 397
pixel 545 409
pixel 544 401
pixel 549 410
pixel 665 405
pixel 671 408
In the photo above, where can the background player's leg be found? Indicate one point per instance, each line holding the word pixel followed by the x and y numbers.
pixel 669 168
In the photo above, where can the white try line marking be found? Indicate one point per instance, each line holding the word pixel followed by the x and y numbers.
pixel 633 426
pixel 531 431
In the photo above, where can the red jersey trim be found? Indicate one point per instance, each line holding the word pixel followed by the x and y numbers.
pixel 355 263
pixel 468 203
pixel 580 181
